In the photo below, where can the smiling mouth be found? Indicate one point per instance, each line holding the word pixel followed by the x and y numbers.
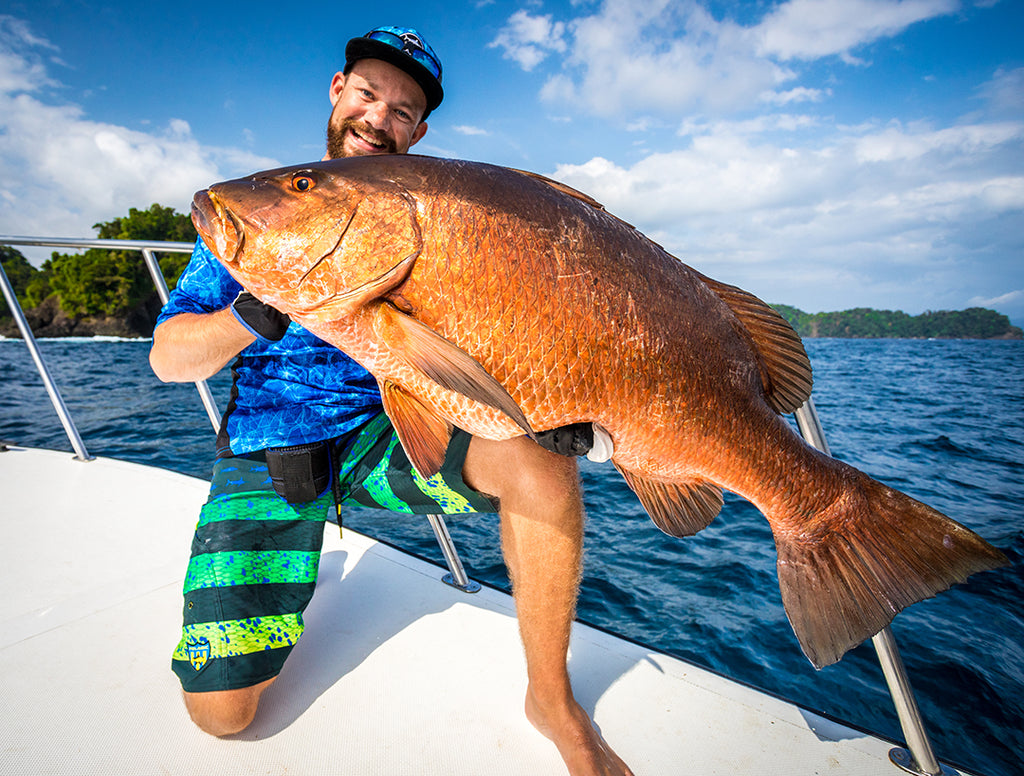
pixel 370 136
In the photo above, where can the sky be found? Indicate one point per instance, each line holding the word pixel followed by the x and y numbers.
pixel 827 154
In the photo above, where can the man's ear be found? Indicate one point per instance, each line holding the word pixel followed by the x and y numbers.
pixel 418 133
pixel 337 84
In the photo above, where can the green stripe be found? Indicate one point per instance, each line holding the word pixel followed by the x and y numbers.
pixel 261 505
pixel 363 444
pixel 241 637
pixel 224 569
pixel 436 493
pixel 377 487
pixel 437 489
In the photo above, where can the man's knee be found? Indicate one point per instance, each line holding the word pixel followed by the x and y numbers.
pixel 224 712
pixel 520 470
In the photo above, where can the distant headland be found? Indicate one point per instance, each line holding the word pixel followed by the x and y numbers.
pixel 865 323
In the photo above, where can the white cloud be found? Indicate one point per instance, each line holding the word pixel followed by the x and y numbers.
pixel 880 216
pixel 1004 93
pixel 466 129
pixel 527 39
pixel 61 172
pixel 799 94
pixel 1013 297
pixel 896 143
pixel 21 67
pixel 809 29
pixel 674 58
pixel 662 57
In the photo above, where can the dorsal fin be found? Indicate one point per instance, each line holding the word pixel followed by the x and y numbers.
pixel 562 188
pixel 677 508
pixel 785 368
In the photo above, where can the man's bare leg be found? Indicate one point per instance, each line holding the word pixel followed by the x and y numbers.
pixel 542 539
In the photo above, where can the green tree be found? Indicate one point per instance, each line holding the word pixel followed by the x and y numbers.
pixel 20 273
pixel 104 282
pixel 863 322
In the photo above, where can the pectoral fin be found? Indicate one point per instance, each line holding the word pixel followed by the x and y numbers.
pixel 423 434
pixel 677 508
pixel 443 362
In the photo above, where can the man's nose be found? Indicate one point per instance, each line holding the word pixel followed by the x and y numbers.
pixel 376 115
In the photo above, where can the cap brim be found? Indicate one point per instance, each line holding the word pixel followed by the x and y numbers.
pixel 364 48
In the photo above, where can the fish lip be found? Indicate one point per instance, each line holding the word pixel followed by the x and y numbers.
pixel 201 202
pixel 217 225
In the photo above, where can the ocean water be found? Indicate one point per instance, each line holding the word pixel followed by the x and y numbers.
pixel 941 420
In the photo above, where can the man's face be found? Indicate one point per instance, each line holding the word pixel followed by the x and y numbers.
pixel 377 110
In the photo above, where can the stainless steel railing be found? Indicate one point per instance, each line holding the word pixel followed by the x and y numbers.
pixel 920 759
pixel 81 454
pixel 149 249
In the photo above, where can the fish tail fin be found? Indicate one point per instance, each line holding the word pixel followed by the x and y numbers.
pixel 844 582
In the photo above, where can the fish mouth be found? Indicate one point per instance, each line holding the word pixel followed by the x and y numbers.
pixel 217 225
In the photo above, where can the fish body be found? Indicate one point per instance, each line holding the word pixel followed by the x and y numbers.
pixel 505 303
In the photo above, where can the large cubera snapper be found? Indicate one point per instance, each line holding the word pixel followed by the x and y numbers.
pixel 505 303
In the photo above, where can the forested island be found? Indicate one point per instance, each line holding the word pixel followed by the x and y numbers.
pixel 97 292
pixel 101 292
pixel 865 323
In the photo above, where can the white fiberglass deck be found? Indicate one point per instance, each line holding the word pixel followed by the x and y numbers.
pixel 397 672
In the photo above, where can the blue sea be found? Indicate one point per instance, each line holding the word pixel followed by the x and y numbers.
pixel 941 420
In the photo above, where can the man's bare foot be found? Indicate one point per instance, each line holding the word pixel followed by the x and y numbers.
pixel 582 748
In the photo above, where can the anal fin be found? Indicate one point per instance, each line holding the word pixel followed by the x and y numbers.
pixel 677 508
pixel 423 434
pixel 443 362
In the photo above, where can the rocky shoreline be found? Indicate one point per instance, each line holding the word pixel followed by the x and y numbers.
pixel 48 320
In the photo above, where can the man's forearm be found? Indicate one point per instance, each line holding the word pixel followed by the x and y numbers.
pixel 195 346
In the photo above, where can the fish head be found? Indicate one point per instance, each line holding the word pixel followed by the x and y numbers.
pixel 315 241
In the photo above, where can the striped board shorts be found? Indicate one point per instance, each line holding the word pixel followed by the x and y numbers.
pixel 255 556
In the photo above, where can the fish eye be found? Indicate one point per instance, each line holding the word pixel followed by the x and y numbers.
pixel 303 182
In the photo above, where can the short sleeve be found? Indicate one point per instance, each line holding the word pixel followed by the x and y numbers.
pixel 204 287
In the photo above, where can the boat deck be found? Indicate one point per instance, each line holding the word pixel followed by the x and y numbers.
pixel 396 673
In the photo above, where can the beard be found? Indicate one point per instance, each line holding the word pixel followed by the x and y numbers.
pixel 336 133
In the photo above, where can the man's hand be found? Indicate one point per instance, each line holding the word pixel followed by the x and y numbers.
pixel 259 318
pixel 575 439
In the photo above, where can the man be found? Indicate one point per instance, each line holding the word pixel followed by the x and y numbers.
pixel 304 431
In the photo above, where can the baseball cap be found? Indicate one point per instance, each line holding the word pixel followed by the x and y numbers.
pixel 407 50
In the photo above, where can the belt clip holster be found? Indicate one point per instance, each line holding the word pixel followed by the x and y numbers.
pixel 300 473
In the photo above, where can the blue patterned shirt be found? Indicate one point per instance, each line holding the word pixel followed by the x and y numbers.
pixel 291 392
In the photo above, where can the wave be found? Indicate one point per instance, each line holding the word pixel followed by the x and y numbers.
pixel 96 338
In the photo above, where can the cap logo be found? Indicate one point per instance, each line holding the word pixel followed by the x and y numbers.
pixel 411 40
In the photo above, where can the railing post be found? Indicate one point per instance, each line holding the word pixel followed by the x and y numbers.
pixel 457 578
pixel 920 759
pixel 56 399
pixel 205 394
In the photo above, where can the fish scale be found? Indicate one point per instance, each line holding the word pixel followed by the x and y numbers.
pixel 505 303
